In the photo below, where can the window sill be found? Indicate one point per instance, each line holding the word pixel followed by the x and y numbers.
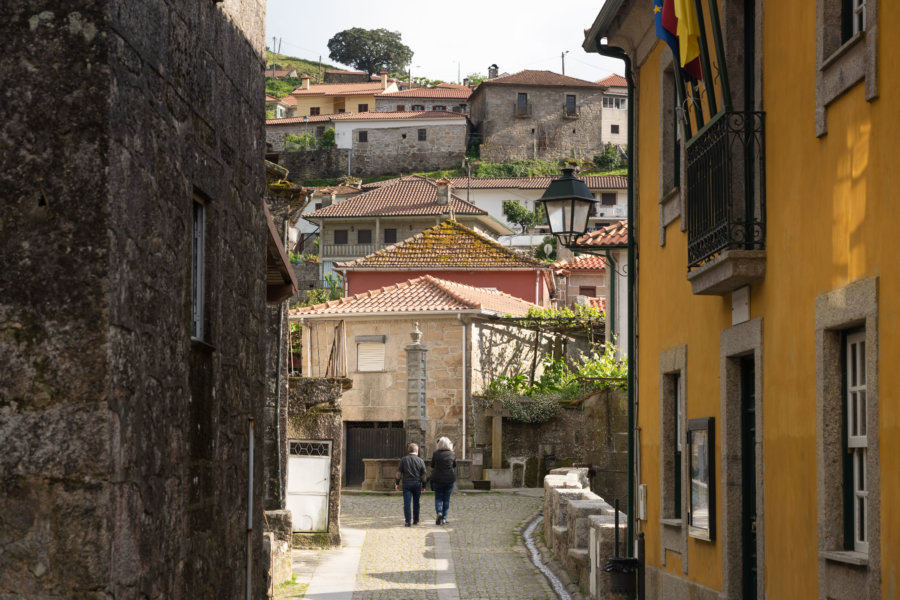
pixel 845 47
pixel 678 523
pixel 858 559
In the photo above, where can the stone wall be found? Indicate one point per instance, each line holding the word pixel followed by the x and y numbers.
pixel 126 444
pixel 398 149
pixel 547 133
pixel 391 104
pixel 314 413
pixel 313 164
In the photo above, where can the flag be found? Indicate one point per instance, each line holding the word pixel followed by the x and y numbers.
pixel 680 34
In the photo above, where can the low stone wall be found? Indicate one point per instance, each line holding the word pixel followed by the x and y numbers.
pixel 278 535
pixel 314 164
pixel 579 529
pixel 380 472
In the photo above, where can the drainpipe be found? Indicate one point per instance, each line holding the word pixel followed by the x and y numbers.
pixel 249 573
pixel 619 53
pixel 465 351
pixel 278 369
pixel 611 305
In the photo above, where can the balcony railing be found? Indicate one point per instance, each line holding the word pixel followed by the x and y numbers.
pixel 522 110
pixel 726 187
pixel 349 250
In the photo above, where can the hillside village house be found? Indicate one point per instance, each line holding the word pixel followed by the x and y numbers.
pixel 615 110
pixel 451 252
pixel 582 276
pixel 334 98
pixel 489 194
pixel 466 345
pixel 768 289
pixel 444 97
pixel 370 221
pixel 539 115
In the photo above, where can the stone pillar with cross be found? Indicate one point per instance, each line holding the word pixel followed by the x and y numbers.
pixel 497 412
pixel 416 376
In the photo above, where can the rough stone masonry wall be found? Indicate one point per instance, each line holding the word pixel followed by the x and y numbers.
pixel 126 472
pixel 311 164
pixel 547 133
pixel 398 149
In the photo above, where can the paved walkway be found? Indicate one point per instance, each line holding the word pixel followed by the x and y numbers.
pixel 478 555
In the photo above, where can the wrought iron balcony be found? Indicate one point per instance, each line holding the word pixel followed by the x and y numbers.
pixel 726 209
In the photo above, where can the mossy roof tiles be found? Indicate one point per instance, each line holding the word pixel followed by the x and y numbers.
pixel 584 262
pixel 449 247
pixel 423 294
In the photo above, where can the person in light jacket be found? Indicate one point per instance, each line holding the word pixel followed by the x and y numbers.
pixel 443 476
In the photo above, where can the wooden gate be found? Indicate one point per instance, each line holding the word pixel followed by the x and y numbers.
pixel 371 439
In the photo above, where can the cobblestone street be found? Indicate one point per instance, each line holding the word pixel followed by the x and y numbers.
pixel 478 555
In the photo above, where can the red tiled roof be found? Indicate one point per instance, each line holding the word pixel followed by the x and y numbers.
pixel 613 80
pixel 584 262
pixel 271 98
pixel 407 197
pixel 433 92
pixel 448 246
pixel 594 182
pixel 365 88
pixel 546 78
pixel 423 294
pixel 340 190
pixel 615 234
pixel 400 114
pixel 598 303
pixel 300 120
pixel 345 72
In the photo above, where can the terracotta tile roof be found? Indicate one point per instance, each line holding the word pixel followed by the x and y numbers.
pixel 271 98
pixel 545 78
pixel 345 72
pixel 583 262
pixel 433 92
pixel 401 114
pixel 594 182
pixel 613 80
pixel 598 303
pixel 424 293
pixel 448 246
pixel 366 88
pixel 340 190
pixel 300 120
pixel 406 197
pixel 615 234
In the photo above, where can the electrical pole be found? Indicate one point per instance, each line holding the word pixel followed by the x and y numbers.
pixel 274 55
pixel 563 57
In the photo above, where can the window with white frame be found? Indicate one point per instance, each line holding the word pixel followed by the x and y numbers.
pixel 370 353
pixel 198 269
pixel 855 436
pixel 615 102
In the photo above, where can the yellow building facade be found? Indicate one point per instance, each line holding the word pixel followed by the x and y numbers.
pixel 767 301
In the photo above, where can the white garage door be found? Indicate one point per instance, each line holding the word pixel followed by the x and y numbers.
pixel 308 484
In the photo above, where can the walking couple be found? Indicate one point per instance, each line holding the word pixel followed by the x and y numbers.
pixel 413 475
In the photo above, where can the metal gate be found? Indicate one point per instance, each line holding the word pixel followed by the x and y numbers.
pixel 308 484
pixel 372 439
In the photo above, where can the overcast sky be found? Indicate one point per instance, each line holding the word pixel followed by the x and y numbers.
pixel 451 37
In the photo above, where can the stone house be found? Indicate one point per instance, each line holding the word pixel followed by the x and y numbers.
pixel 615 110
pixel 380 217
pixel 538 115
pixel 445 97
pixel 133 289
pixel 465 342
pixel 451 252
pixel 582 276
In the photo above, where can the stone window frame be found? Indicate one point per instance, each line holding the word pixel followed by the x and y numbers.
pixel 614 129
pixel 571 111
pixel 418 107
pixel 363 136
pixel 587 290
pixel 401 108
pixel 423 134
pixel 370 352
pixel 841 65
pixel 671 198
pixel 846 573
pixel 673 529
pixel 737 342
pixel 439 107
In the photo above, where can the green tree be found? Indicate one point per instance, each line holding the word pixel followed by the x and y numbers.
pixel 370 50
pixel 519 215
pixel 304 141
pixel 476 78
pixel 610 159
pixel 327 139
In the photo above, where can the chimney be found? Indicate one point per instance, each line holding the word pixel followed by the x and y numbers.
pixel 383 79
pixel 443 191
pixel 466 81
pixel 493 71
pixel 304 82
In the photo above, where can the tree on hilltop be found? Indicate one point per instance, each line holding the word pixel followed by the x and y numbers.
pixel 370 50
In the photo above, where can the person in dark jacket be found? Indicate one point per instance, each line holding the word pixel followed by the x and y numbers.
pixel 412 473
pixel 443 476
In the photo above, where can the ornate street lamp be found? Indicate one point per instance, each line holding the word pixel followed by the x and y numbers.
pixel 568 202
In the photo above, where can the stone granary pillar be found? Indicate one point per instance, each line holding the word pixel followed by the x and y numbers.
pixel 416 372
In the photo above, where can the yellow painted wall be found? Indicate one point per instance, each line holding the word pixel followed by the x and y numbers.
pixel 329 105
pixel 833 217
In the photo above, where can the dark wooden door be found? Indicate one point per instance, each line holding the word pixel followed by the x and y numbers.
pixel 371 439
pixel 748 476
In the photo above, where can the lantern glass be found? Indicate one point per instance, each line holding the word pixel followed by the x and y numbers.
pixel 568 205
